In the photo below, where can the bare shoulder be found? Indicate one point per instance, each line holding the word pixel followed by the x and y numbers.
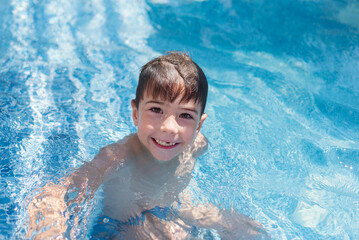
pixel 201 139
pixel 200 145
pixel 120 149
pixel 113 154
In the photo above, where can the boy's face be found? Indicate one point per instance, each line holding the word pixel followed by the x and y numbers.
pixel 166 128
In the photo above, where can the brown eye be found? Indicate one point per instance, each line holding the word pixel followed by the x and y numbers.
pixel 156 110
pixel 186 116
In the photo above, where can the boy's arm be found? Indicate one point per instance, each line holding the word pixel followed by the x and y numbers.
pixel 229 224
pixel 50 209
pixel 92 174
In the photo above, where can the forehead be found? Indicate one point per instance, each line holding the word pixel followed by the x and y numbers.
pixel 179 101
pixel 171 90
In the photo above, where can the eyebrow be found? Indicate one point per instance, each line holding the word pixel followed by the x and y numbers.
pixel 153 101
pixel 162 103
pixel 191 110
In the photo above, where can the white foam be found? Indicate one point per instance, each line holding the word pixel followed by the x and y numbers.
pixel 309 215
pixel 160 1
pixel 135 27
pixel 61 16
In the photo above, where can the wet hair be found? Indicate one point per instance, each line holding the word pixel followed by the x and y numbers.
pixel 171 76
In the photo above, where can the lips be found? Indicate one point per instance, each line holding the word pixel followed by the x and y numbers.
pixel 163 144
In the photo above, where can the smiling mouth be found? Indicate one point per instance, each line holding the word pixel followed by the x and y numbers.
pixel 165 145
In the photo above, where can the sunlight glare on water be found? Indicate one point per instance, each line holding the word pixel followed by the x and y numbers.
pixel 283 102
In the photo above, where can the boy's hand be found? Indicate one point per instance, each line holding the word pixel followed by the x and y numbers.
pixel 229 224
pixel 165 229
pixel 155 228
pixel 49 209
pixel 48 213
pixel 239 226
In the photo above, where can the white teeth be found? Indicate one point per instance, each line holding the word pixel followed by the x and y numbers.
pixel 164 143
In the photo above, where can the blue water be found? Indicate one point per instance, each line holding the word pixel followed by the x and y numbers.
pixel 283 102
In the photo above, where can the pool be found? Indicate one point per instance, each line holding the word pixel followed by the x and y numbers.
pixel 283 103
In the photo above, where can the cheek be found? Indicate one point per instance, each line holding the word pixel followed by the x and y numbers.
pixel 146 124
pixel 190 132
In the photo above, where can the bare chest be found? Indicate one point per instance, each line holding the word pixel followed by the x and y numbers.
pixel 130 192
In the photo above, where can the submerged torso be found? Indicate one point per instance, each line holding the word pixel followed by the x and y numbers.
pixel 141 185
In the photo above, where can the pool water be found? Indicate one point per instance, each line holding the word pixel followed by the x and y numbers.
pixel 283 102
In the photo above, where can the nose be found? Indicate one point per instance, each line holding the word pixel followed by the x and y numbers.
pixel 170 125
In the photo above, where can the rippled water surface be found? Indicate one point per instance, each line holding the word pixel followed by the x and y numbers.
pixel 283 104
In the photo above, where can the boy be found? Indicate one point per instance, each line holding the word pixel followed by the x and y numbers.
pixel 145 174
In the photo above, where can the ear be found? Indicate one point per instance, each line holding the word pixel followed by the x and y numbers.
pixel 203 117
pixel 134 112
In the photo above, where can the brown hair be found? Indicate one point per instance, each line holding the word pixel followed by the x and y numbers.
pixel 170 76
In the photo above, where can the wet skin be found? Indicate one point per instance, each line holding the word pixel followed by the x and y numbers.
pixel 147 169
pixel 167 128
pixel 159 158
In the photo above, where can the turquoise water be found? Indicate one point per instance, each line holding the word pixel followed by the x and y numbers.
pixel 283 104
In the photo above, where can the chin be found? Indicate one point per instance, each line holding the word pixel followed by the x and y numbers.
pixel 164 158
